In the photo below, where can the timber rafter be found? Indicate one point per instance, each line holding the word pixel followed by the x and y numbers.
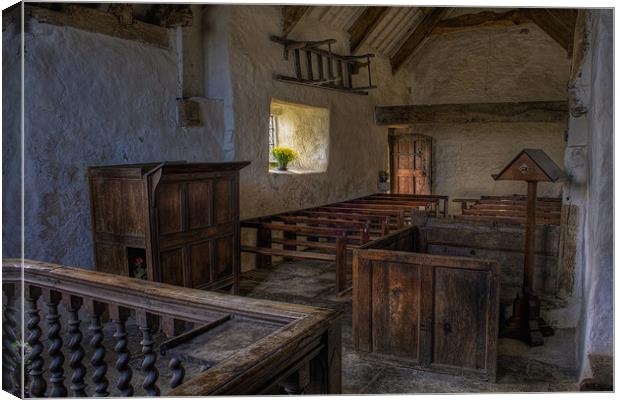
pixel 418 36
pixel 291 15
pixel 365 24
pixel 533 111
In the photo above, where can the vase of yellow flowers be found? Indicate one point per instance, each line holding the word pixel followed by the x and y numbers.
pixel 283 156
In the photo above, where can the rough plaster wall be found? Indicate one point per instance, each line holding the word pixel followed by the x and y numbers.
pixel 305 129
pixel 357 147
pixel 11 137
pixel 589 162
pixel 485 66
pixel 92 100
pixel 465 156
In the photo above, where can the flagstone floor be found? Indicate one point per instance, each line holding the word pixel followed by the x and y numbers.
pixel 520 368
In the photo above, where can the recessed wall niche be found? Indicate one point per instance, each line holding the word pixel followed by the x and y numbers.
pixel 303 128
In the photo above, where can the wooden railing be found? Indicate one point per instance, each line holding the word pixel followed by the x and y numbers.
pixel 166 317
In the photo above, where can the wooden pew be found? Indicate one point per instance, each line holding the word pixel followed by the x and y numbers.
pixel 427 197
pixel 341 243
pixel 398 216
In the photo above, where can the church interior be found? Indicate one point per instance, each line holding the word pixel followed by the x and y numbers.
pixel 227 199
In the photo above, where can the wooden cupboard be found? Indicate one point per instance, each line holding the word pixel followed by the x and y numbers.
pixel 175 223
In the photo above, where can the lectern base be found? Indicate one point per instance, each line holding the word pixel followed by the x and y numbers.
pixel 526 324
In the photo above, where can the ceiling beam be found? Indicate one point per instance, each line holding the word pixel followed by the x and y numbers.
pixel 291 16
pixel 365 24
pixel 93 20
pixel 558 24
pixel 484 19
pixel 417 37
pixel 534 111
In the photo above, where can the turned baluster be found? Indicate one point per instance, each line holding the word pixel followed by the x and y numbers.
pixel 37 382
pixel 73 304
pixel 178 372
pixel 296 383
pixel 119 316
pixel 148 364
pixel 57 358
pixel 95 310
pixel 11 367
pixel 171 328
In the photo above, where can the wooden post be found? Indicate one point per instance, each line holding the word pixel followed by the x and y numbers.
pixel 263 239
pixel 341 262
pixel 530 239
pixel 364 237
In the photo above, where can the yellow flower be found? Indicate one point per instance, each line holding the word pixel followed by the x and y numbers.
pixel 284 155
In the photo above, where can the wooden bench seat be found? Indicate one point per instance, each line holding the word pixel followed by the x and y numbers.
pixel 303 255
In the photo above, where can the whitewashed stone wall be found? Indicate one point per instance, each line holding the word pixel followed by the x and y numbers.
pixel 357 147
pixel 92 99
pixel 589 163
pixel 488 65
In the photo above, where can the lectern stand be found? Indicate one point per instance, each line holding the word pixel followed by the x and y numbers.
pixel 531 166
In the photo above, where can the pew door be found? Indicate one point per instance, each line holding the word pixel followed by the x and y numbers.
pixel 410 161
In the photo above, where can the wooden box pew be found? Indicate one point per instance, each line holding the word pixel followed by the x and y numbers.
pixel 519 197
pixel 338 255
pixel 420 205
pixel 397 217
pixel 509 214
pixel 430 312
pixel 517 207
pixel 441 200
pixel 362 227
pixel 212 343
pixel 393 211
pixel 381 222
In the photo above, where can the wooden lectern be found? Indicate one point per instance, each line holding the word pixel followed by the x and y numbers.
pixel 531 166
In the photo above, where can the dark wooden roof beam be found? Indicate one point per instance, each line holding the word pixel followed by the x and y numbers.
pixel 533 111
pixel 365 24
pixel 558 24
pixel 484 19
pixel 418 36
pixel 291 15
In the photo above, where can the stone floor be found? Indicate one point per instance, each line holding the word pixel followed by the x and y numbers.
pixel 520 368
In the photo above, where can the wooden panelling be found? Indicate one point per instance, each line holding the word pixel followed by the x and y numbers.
pixel 199 207
pixel 459 333
pixel 223 257
pixel 111 258
pixel 200 263
pixel 169 208
pixel 171 265
pixel 177 212
pixel 396 291
pixel 118 205
pixel 222 201
pixel 429 312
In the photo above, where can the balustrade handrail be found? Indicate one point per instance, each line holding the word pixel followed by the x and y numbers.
pixel 298 324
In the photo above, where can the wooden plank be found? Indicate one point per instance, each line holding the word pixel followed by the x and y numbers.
pixel 291 15
pixel 417 37
pixel 484 19
pixel 311 244
pixel 558 25
pixel 303 255
pixel 533 111
pixel 365 24
pixel 92 20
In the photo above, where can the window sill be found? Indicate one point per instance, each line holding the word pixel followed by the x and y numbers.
pixel 292 171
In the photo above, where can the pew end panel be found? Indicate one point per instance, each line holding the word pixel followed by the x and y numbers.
pixel 425 311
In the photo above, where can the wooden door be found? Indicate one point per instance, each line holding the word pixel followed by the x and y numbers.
pixel 411 163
